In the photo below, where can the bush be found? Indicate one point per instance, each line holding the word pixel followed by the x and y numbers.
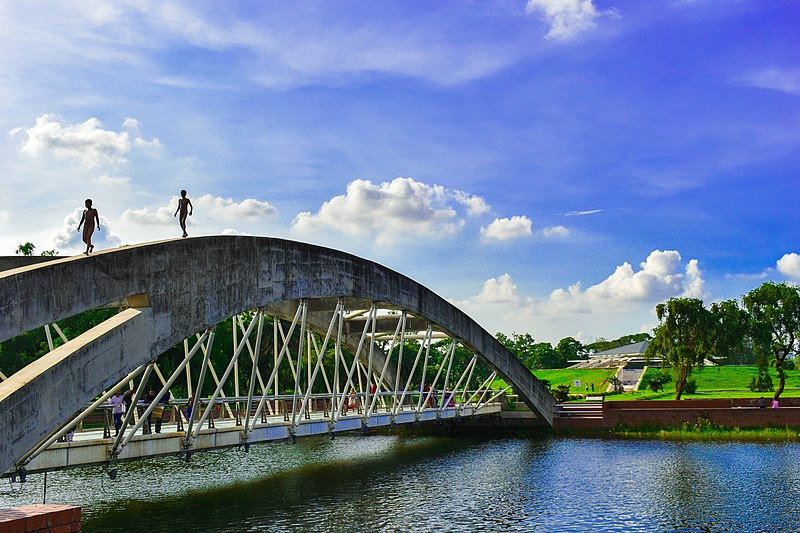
pixel 657 381
pixel 690 387
pixel 561 393
pixel 762 382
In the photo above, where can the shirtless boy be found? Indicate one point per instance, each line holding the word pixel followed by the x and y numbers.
pixel 184 207
pixel 89 216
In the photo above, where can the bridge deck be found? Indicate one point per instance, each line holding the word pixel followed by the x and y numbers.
pixel 89 448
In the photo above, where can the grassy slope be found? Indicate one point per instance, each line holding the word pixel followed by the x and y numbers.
pixel 567 376
pixel 712 382
pixel 721 382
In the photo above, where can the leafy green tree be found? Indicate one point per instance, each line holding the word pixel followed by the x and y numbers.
pixel 657 381
pixel 683 339
pixel 25 249
pixel 733 344
pixel 28 248
pixel 567 350
pixel 774 310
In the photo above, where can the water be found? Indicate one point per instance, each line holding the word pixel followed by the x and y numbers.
pixel 401 483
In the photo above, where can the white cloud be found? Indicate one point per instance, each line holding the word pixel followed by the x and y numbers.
pixel 498 290
pixel 618 305
pixel 555 232
pixel 503 229
pixel 131 123
pixel 476 205
pixel 778 79
pixel 87 143
pixel 391 211
pixel 68 239
pixel 789 265
pixel 567 18
pixel 207 207
pixel 112 181
pixel 660 276
pixel 582 213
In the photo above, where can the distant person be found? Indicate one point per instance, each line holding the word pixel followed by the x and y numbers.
pixel 163 403
pixel 185 208
pixel 89 217
pixel 149 398
pixel 189 404
pixel 127 398
pixel 775 403
pixel 118 409
pixel 762 403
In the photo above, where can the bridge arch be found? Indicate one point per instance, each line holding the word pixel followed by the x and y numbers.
pixel 178 287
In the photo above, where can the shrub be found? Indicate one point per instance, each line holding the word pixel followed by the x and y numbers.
pixel 762 382
pixel 690 387
pixel 657 381
pixel 561 393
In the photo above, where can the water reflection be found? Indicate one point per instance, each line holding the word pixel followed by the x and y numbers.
pixel 394 483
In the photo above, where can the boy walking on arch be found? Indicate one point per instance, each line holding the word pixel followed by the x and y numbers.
pixel 184 207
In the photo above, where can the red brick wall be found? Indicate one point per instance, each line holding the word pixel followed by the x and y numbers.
pixel 41 519
pixel 736 412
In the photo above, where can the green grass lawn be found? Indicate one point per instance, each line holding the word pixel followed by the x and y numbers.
pixel 712 382
pixel 719 382
pixel 567 376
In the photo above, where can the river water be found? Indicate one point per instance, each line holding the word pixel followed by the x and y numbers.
pixel 411 483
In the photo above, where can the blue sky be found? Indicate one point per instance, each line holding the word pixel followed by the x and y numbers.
pixel 555 167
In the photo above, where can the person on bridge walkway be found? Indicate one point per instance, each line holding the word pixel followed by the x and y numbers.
pixel 149 398
pixel 117 410
pixel 184 207
pixel 88 219
pixel 162 404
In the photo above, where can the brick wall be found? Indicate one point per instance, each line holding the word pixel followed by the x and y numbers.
pixel 735 412
pixel 41 519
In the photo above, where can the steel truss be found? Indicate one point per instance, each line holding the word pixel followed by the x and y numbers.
pixel 340 384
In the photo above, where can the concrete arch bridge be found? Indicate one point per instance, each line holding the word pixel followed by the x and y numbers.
pixel 319 343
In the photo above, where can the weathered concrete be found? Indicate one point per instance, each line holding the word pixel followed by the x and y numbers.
pixel 8 262
pixel 41 396
pixel 192 284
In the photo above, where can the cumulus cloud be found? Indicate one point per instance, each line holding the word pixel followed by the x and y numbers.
pixel 660 276
pixel 566 18
pixel 627 296
pixel 391 210
pixel 789 265
pixel 503 229
pixel 208 207
pixel 498 290
pixel 87 143
pixel 555 232
pixel 68 239
pixel 476 205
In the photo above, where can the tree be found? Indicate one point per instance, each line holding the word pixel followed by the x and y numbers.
pixel 534 355
pixel 732 336
pixel 25 249
pixel 683 339
pixel 568 349
pixel 28 248
pixel 774 310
